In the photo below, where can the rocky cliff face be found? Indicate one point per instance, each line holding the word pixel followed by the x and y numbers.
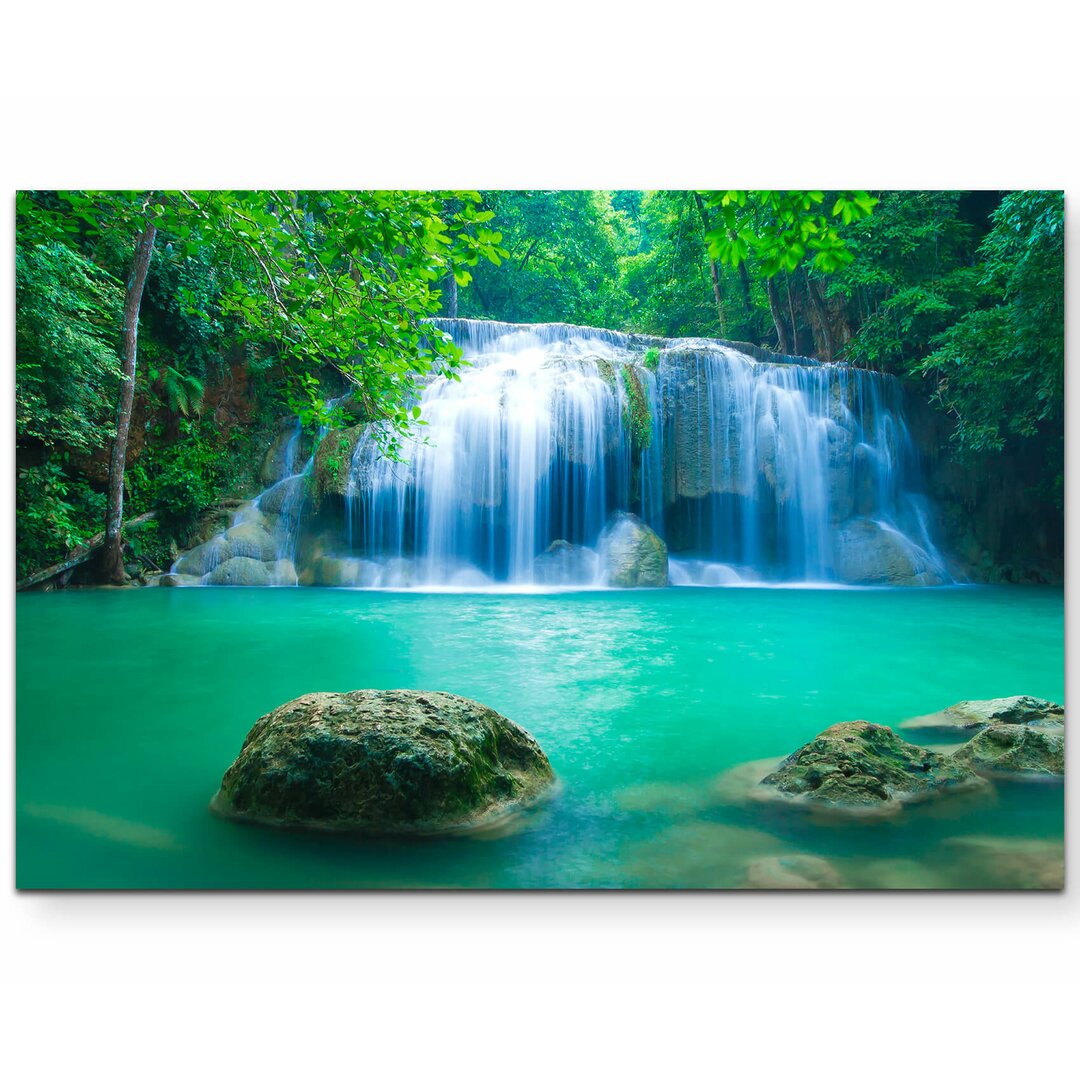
pixel 999 521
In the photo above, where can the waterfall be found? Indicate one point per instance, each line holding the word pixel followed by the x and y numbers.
pixel 750 468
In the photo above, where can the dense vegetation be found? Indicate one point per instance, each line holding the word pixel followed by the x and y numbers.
pixel 258 303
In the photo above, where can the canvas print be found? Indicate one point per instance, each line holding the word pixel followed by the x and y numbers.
pixel 540 539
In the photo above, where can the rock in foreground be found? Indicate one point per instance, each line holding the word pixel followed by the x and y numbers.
pixel 969 715
pixel 864 768
pixel 1014 750
pixel 382 761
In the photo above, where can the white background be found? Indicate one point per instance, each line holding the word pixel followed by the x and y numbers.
pixel 910 94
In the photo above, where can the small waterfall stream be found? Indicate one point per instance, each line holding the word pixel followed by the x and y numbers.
pixel 751 468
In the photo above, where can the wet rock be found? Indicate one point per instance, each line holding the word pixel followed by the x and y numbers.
pixel 251 541
pixel 776 466
pixel 706 441
pixel 251 514
pixel 240 571
pixel 839 480
pixel 286 497
pixel 286 454
pixel 583 431
pixel 792 872
pixel 972 715
pixel 631 554
pixel 283 572
pixel 858 767
pixel 335 572
pixel 563 563
pixel 867 553
pixel 383 761
pixel 1015 750
pixel 202 559
pixel 333 463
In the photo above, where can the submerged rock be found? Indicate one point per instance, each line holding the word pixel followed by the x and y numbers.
pixel 968 715
pixel 383 761
pixel 792 872
pixel 1006 862
pixel 631 554
pixel 696 855
pixel 1015 750
pixel 240 571
pixel 862 767
pixel 867 553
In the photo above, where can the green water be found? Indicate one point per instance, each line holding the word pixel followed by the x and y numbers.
pixel 131 704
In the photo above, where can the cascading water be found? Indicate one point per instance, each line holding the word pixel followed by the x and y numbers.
pixel 749 469
pixel 529 447
pixel 752 468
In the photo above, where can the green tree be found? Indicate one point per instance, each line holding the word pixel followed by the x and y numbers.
pixel 337 285
pixel 795 234
pixel 999 369
pixel 561 263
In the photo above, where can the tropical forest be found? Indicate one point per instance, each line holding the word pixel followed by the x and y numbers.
pixel 658 538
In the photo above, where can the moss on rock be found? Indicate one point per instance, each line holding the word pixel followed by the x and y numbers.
pixel 863 767
pixel 333 461
pixel 383 761
pixel 971 715
pixel 631 554
pixel 637 416
pixel 1015 750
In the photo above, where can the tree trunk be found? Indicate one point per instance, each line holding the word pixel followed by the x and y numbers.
pixel 744 279
pixel 450 296
pixel 822 312
pixel 111 567
pixel 713 272
pixel 77 557
pixel 790 282
pixel 782 342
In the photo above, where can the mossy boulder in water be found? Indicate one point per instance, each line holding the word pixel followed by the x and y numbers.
pixel 971 715
pixel 862 767
pixel 631 554
pixel 1015 750
pixel 383 761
